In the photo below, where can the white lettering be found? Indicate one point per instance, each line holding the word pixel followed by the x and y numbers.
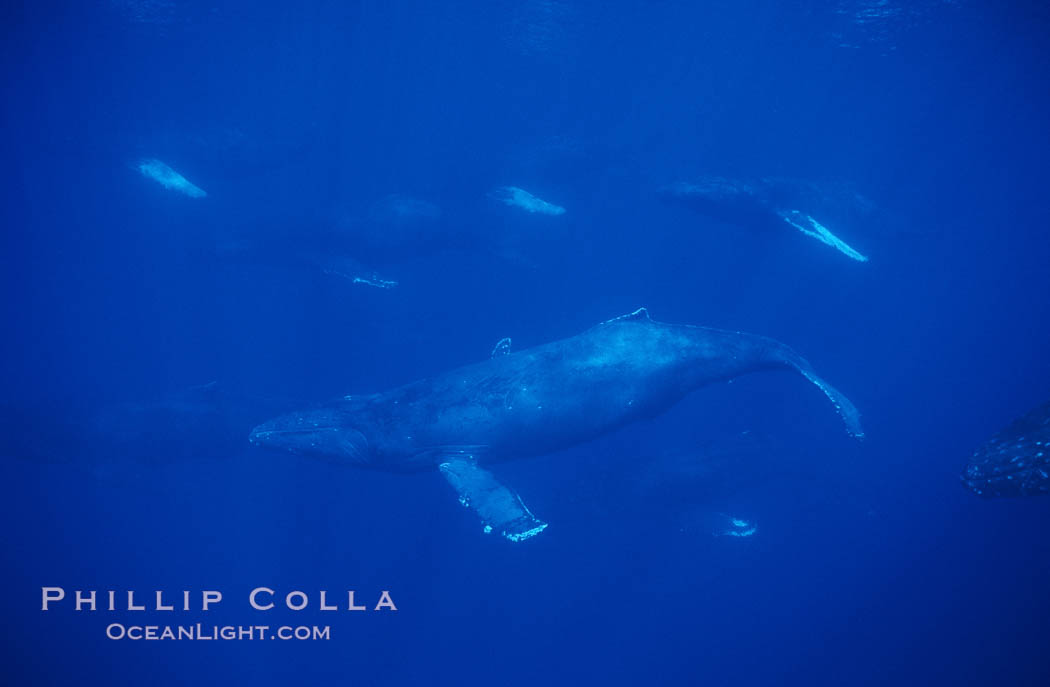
pixel 255 592
pixel 133 607
pixel 386 602
pixel 81 599
pixel 210 597
pixel 48 594
pixel 160 603
pixel 288 601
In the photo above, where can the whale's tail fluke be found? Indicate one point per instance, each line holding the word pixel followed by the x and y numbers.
pixel 849 413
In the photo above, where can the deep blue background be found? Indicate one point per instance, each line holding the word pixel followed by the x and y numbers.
pixel 871 564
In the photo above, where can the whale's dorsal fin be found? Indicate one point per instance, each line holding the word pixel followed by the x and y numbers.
pixel 502 347
pixel 640 314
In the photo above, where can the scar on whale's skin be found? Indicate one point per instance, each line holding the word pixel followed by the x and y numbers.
pixel 168 178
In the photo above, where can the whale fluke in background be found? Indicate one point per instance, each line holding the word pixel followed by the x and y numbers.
pixel 1016 461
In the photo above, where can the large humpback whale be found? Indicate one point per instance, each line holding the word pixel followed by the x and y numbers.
pixel 531 402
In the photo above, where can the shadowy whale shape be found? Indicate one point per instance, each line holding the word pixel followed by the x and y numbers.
pixel 531 402
pixel 752 205
pixel 1016 461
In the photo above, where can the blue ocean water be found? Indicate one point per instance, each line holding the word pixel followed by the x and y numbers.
pixel 345 146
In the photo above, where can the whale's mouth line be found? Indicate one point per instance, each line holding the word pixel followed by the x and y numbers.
pixel 1006 479
pixel 1002 471
pixel 266 433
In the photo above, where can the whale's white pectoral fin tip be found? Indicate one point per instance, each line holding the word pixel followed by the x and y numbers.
pixel 498 507
pixel 526 534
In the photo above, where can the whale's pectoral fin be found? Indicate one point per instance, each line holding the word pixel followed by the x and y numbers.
pixel 497 505
pixel 814 229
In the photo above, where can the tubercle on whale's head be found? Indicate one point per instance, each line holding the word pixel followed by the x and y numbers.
pixel 324 433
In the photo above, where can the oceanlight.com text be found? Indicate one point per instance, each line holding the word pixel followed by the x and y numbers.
pixel 202 632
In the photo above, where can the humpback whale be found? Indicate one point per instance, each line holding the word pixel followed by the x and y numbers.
pixel 754 205
pixel 529 402
pixel 169 178
pixel 1016 461
pixel 520 198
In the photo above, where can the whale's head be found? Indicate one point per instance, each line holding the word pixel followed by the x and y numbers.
pixel 320 433
pixel 1014 469
pixel 1016 461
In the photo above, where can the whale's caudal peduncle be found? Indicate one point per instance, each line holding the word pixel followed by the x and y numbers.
pixel 708 355
pixel 532 401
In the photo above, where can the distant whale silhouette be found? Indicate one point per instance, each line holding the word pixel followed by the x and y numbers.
pixel 531 402
pixel 1016 461
pixel 759 205
pixel 515 197
pixel 168 178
